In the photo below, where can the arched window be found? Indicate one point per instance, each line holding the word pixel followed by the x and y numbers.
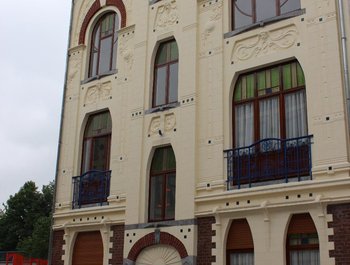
pixel 166 69
pixel 96 143
pixel 270 103
pixel 162 185
pixel 246 13
pixel 240 246
pixel 302 241
pixel 104 42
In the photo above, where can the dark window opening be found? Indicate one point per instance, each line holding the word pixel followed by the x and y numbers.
pixel 162 185
pixel 166 68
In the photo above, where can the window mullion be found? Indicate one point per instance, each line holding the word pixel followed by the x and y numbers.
pixel 254 10
pixel 278 7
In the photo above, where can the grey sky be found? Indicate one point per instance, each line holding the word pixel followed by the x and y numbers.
pixel 33 46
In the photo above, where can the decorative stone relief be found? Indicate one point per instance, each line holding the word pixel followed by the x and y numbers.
pixel 266 42
pixel 82 13
pixel 126 51
pixel 74 65
pixel 154 126
pixel 167 15
pixel 211 14
pixel 159 255
pixel 170 122
pixel 163 123
pixel 100 91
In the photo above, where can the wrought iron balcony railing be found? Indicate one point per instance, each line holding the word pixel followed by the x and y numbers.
pixel 91 189
pixel 269 161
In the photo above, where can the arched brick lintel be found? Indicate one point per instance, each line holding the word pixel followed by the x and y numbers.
pixel 149 240
pixel 94 9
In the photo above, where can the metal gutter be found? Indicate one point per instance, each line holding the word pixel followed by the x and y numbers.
pixel 60 135
pixel 344 57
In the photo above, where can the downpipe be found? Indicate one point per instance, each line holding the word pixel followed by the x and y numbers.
pixel 344 57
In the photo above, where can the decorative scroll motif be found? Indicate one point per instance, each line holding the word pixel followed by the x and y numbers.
pixel 170 122
pixel 101 91
pixel 265 43
pixel 82 14
pixel 73 68
pixel 159 255
pixel 154 126
pixel 126 51
pixel 166 16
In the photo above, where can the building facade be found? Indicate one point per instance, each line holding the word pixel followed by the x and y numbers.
pixel 204 132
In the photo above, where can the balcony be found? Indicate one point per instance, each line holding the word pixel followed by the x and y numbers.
pixel 269 161
pixel 91 189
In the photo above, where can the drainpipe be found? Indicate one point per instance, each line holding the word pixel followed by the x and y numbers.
pixel 60 135
pixel 344 58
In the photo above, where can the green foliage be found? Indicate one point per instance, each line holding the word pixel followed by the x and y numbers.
pixel 25 225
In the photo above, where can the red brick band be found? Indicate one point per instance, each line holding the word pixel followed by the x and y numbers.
pixel 118 245
pixel 149 240
pixel 57 245
pixel 94 9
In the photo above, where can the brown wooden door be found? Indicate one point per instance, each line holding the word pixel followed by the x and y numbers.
pixel 88 249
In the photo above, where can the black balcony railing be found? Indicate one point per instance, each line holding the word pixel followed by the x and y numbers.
pixel 91 188
pixel 269 161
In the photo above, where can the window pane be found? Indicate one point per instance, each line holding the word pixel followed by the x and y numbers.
pixel 245 258
pixel 105 55
pixel 300 73
pixel 243 14
pixel 174 52
pixel 289 5
pixel 156 198
pixel 173 82
pixel 100 153
pixel 261 81
pixel 250 86
pixel 161 54
pixel 115 42
pixel 275 77
pixel 265 9
pixel 305 257
pixel 296 121
pixel 170 197
pixel 86 156
pixel 238 90
pixel 244 125
pixel 269 118
pixel 158 160
pixel 107 25
pixel 94 53
pixel 287 77
pixel 160 92
pixel 99 124
pixel 170 159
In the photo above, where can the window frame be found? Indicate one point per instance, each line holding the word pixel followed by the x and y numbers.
pixel 164 175
pixel 107 150
pixel 114 41
pixel 234 31
pixel 301 247
pixel 167 64
pixel 281 94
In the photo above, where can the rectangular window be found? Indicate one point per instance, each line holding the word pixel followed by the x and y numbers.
pixel 248 12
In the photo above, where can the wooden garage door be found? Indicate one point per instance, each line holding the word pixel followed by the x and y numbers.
pixel 88 249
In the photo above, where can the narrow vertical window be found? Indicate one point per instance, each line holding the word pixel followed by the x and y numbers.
pixel 104 43
pixel 240 246
pixel 96 144
pixel 162 185
pixel 302 241
pixel 165 88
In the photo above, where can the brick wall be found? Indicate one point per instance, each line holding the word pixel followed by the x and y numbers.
pixel 118 245
pixel 341 237
pixel 57 244
pixel 204 244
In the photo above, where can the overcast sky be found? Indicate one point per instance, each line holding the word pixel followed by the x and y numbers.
pixel 33 46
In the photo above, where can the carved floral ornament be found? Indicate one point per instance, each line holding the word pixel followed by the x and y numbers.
pixel 98 92
pixel 167 15
pixel 265 42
